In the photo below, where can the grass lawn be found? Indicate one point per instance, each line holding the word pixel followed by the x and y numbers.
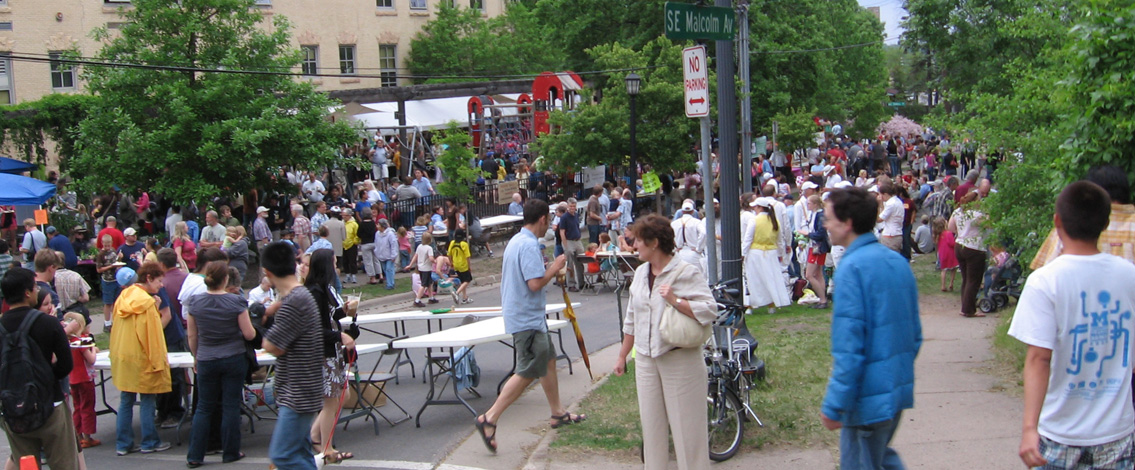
pixel 793 343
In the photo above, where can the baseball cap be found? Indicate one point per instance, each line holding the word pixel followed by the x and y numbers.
pixel 762 201
pixel 125 276
pixel 129 231
pixel 261 209
pixel 809 185
pixel 50 229
pixel 688 205
pixel 843 184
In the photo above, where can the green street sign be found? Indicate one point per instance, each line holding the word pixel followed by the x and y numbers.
pixel 686 21
pixel 897 104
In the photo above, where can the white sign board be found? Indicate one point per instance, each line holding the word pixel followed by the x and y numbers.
pixel 695 76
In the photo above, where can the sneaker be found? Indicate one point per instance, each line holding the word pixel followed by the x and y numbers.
pixel 434 301
pixel 419 304
pixel 490 254
pixel 467 301
pixel 170 423
pixel 132 450
pixel 161 447
pixel 85 443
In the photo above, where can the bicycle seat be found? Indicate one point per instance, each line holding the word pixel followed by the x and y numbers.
pixel 734 293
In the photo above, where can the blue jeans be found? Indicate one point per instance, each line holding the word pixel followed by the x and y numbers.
pixel 220 389
pixel 125 425
pixel 894 161
pixel 593 233
pixel 867 447
pixel 388 271
pixel 403 258
pixel 290 448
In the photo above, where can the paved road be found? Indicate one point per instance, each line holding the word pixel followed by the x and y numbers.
pixel 402 446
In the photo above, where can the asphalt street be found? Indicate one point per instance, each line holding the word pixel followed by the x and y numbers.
pixel 402 446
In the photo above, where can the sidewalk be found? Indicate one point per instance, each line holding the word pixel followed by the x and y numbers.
pixel 959 421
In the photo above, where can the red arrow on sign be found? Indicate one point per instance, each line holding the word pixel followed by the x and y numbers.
pixel 697 100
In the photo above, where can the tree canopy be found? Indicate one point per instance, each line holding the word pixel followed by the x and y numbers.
pixel 461 42
pixel 191 134
pixel 1055 100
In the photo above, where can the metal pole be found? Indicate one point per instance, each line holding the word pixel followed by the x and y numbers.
pixel 633 170
pixel 746 104
pixel 710 227
pixel 407 160
pixel 727 133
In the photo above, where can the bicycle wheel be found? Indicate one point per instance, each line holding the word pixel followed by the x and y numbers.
pixel 726 422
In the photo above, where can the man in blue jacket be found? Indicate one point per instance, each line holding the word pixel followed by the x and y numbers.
pixel 876 334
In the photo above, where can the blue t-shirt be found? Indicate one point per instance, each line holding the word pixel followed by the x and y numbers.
pixel 126 254
pixel 522 308
pixel 570 225
pixel 62 244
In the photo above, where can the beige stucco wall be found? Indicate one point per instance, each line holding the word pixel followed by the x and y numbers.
pixel 40 26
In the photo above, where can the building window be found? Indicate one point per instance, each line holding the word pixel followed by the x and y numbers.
pixel 347 60
pixel 6 95
pixel 6 25
pixel 388 64
pixel 477 4
pixel 264 2
pixel 116 1
pixel 418 4
pixel 62 75
pixel 384 3
pixel 310 63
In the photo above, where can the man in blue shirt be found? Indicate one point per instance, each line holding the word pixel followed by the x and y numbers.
pixel 876 334
pixel 573 247
pixel 59 242
pixel 523 305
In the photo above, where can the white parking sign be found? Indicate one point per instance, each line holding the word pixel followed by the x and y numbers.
pixel 695 75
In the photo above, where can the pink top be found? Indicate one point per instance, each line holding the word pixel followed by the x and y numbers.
pixel 946 257
pixel 404 242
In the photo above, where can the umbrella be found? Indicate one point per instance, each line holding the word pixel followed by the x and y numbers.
pixel 569 312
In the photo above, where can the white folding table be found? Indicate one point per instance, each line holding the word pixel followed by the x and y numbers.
pixel 467 336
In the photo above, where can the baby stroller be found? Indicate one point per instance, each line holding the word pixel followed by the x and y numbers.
pixel 1001 283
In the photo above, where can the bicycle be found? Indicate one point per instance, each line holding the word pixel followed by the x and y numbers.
pixel 733 368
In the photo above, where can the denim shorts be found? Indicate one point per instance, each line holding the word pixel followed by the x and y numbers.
pixel 109 292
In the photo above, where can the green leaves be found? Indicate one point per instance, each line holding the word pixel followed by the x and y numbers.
pixel 455 164
pixel 459 42
pixel 195 135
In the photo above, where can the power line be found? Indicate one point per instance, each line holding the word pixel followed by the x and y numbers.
pixel 821 49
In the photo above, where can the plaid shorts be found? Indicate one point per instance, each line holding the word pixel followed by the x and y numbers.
pixel 1117 455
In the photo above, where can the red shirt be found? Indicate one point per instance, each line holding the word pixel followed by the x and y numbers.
pixel 116 237
pixel 961 191
pixel 79 373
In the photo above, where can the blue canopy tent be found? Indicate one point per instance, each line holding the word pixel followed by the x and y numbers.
pixel 15 167
pixel 18 190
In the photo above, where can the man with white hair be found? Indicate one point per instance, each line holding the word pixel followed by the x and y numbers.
pixel 516 207
pixel 687 235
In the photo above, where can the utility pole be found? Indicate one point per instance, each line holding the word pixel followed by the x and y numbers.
pixel 746 101
pixel 727 134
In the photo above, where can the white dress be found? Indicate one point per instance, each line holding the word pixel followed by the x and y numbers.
pixel 762 273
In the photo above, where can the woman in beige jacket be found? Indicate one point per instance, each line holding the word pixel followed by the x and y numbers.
pixel 671 381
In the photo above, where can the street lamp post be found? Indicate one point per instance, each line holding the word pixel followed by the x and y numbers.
pixel 633 82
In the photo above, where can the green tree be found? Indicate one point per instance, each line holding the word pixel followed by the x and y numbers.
pixel 576 26
pixel 455 164
pixel 459 42
pixel 190 134
pixel 846 84
pixel 797 129
pixel 596 134
pixel 56 117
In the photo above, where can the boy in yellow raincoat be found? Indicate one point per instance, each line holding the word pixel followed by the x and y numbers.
pixel 138 360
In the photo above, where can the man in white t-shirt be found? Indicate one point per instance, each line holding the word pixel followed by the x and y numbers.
pixel 1075 317
pixel 891 218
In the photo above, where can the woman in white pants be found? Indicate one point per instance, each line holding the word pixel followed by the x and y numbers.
pixel 671 381
pixel 762 265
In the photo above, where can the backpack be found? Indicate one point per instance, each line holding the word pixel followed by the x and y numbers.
pixel 26 380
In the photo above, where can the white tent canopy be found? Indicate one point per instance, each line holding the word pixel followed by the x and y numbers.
pixel 426 114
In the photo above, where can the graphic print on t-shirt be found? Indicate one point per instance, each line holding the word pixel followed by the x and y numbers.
pixel 1102 337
